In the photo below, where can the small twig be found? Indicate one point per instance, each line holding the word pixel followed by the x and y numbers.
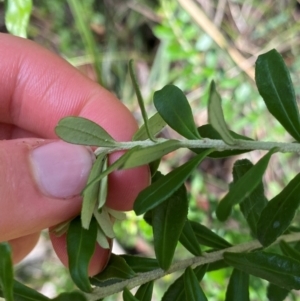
pixel 180 265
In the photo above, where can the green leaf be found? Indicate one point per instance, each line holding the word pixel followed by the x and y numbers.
pixel 176 292
pixel 243 187
pixel 155 124
pixel 160 190
pixel 127 295
pixel 238 287
pixel 116 270
pixel 168 220
pixel 104 222
pixel 141 264
pixel 276 88
pixel 102 239
pixel 117 164
pixel 144 293
pixel 102 196
pixel 72 296
pixel 216 116
pixel 279 213
pixel 6 271
pixel 276 293
pixel 24 293
pixel 209 238
pixel 289 251
pixel 17 15
pixel 79 130
pixel 140 100
pixel 277 269
pixel 80 247
pixel 61 228
pixel 207 131
pixel 188 239
pixel 192 289
pixel 149 154
pixel 175 109
pixel 253 205
pixel 91 194
pixel 119 215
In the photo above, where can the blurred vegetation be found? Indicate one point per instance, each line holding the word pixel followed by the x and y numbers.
pixel 187 43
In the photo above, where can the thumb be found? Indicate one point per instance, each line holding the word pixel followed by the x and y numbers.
pixel 40 184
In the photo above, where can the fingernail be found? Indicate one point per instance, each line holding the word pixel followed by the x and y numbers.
pixel 61 169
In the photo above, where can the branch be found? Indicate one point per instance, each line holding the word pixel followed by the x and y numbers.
pixel 180 265
pixel 218 145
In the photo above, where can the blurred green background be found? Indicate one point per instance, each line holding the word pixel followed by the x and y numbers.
pixel 187 43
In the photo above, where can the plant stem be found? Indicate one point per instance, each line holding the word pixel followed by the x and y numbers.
pixel 218 145
pixel 180 265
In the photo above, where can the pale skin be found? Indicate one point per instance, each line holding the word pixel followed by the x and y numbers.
pixel 37 89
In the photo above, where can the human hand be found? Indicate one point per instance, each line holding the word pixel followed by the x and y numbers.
pixel 41 177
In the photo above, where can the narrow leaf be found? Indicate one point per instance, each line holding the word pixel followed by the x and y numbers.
pixel 91 194
pixel 72 296
pixel 277 269
pixel 79 130
pixel 61 228
pixel 160 190
pixel 127 295
pixel 168 220
pixel 17 15
pixel 24 293
pixel 238 287
pixel 80 247
pixel 104 222
pixel 155 124
pixel 176 291
pixel 276 88
pixel 194 234
pixel 193 291
pixel 116 270
pixel 175 109
pixel 119 215
pixel 209 238
pixel 146 155
pixel 6 271
pixel 144 293
pixel 141 264
pixel 276 293
pixel 207 131
pixel 279 213
pixel 243 187
pixel 188 239
pixel 117 164
pixel 253 205
pixel 140 100
pixel 102 239
pixel 216 116
pixel 102 196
